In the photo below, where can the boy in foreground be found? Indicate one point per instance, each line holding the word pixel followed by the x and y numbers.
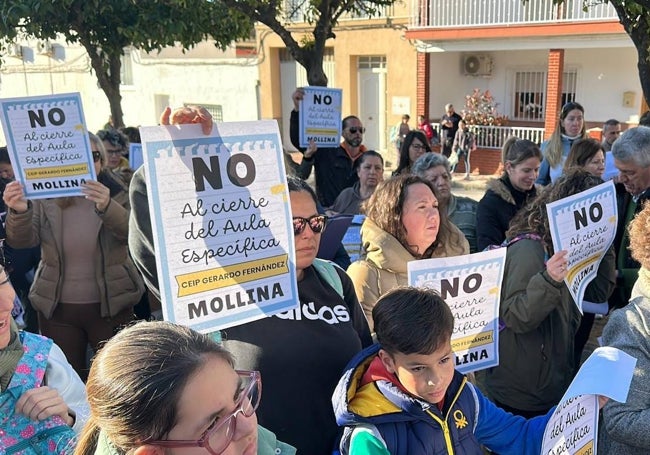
pixel 404 396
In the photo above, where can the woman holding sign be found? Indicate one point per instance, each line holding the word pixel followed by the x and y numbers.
pixel 86 284
pixel 625 425
pixel 403 224
pixel 538 316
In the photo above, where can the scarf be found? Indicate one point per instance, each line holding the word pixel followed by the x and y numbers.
pixel 10 356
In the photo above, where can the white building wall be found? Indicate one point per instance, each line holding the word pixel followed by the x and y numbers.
pixel 214 78
pixel 603 76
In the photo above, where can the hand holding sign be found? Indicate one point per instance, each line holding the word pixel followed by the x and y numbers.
pixel 14 197
pixel 556 266
pixel 188 115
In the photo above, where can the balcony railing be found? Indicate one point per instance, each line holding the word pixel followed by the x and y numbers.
pixel 493 137
pixel 476 13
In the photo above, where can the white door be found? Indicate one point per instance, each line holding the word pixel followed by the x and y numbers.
pixel 372 101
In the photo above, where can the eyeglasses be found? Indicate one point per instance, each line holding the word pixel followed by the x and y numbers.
pixel 316 224
pixel 217 438
pixel 357 129
pixel 419 146
pixel 115 152
pixel 96 156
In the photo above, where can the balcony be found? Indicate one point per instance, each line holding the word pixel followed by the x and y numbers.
pixel 486 13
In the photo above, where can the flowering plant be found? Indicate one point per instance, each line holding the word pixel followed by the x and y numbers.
pixel 481 109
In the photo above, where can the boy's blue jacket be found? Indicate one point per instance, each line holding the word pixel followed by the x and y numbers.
pixel 409 425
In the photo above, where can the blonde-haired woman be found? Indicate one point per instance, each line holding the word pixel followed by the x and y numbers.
pixel 86 284
pixel 570 128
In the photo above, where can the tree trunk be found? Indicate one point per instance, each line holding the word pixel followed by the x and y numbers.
pixel 108 77
pixel 314 66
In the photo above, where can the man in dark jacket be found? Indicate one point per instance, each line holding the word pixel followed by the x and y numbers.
pixel 632 158
pixel 334 166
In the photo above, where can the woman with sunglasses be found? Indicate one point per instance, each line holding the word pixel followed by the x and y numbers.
pixel 570 127
pixel 142 403
pixel 86 285
pixel 302 352
pixel 402 224
pixel 415 145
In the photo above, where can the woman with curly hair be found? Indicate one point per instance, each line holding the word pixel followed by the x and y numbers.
pixel 537 313
pixel 415 145
pixel 402 224
pixel 570 127
pixel 625 425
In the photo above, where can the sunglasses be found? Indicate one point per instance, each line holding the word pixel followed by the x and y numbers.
pixel 96 156
pixel 355 129
pixel 316 224
pixel 218 437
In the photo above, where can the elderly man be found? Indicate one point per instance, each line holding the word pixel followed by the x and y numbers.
pixel 334 166
pixel 632 158
pixel 461 211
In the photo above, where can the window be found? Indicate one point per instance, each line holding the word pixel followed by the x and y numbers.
pixel 530 93
pixel 372 61
pixel 215 110
pixel 126 69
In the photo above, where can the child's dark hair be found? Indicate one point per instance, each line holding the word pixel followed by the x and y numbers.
pixel 412 321
pixel 4 155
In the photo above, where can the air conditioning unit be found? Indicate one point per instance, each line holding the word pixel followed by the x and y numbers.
pixel 477 65
pixel 44 48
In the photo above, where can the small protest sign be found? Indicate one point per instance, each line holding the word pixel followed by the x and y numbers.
pixel 585 225
pixel 573 426
pixel 471 286
pixel 221 221
pixel 48 143
pixel 320 116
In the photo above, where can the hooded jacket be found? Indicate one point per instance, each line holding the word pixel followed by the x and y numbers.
pixel 120 284
pixel 497 208
pixel 404 424
pixel 536 361
pixel 384 265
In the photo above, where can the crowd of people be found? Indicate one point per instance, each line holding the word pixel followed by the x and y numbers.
pixel 379 378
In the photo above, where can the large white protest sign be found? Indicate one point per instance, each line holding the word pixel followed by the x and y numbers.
pixel 471 286
pixel 585 225
pixel 222 223
pixel 320 116
pixel 49 145
pixel 573 427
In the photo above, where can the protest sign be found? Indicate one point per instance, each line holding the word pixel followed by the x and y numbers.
pixel 573 427
pixel 585 225
pixel 320 116
pixel 221 220
pixel 48 144
pixel 471 286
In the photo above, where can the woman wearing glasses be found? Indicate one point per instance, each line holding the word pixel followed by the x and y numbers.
pixel 143 403
pixel 570 127
pixel 402 224
pixel 86 285
pixel 116 145
pixel 302 352
pixel 415 145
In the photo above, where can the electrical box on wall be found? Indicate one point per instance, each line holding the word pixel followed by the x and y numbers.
pixel 629 99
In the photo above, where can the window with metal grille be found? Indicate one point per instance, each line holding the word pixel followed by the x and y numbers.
pixel 530 93
pixel 215 110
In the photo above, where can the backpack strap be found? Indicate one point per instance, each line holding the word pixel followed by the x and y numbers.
pixel 327 271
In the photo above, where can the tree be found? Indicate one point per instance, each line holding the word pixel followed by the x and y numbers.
pixel 635 18
pixel 105 28
pixel 323 15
